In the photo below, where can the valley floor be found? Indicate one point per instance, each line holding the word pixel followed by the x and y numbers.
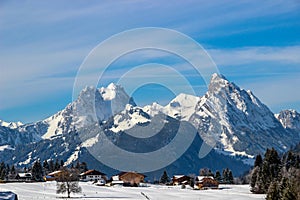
pixel 47 190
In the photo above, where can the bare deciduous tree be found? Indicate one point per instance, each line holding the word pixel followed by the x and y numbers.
pixel 67 182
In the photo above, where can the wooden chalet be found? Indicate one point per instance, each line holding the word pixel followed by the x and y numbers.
pixel 128 178
pixel 52 176
pixel 181 180
pixel 205 182
pixel 93 175
pixel 24 177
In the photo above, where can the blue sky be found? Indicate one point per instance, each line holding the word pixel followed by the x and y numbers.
pixel 255 44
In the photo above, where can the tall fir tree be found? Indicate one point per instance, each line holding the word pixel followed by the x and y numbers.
pixel 218 176
pixel 164 178
pixel 258 161
pixel 225 176
pixel 273 192
pixel 37 171
pixel 230 177
pixel 57 165
pixel 46 166
pixel 13 169
pixel 62 163
pixel 51 166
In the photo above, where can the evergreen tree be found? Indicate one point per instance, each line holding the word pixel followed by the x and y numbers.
pixel 289 194
pixel 2 166
pixel 218 176
pixel 164 178
pixel 258 161
pixel 230 177
pixel 2 171
pixel 260 183
pixel 7 169
pixel 61 163
pixel 57 165
pixel 273 192
pixel 83 167
pixel 46 166
pixel 225 175
pixel 254 177
pixel 12 170
pixel 280 179
pixel 205 172
pixel 266 172
pixel 77 165
pixel 37 171
pixel 291 160
pixel 51 166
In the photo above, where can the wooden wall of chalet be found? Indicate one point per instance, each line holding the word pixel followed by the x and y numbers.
pixel 132 178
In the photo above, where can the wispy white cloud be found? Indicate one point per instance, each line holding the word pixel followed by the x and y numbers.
pixel 42 44
pixel 247 55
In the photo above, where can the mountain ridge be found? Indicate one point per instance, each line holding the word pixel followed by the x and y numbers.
pixel 232 120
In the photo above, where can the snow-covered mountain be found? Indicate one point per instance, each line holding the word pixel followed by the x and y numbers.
pixel 290 119
pixel 181 107
pixel 227 117
pixel 237 121
pixel 11 137
pixel 11 125
pixel 91 106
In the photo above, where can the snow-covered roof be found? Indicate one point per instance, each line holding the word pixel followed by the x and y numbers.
pixel 92 172
pixel 24 175
pixel 54 173
pixel 178 176
pixel 115 178
pixel 117 182
pixel 200 178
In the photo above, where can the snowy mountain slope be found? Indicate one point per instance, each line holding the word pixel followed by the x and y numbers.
pixel 91 106
pixel 226 116
pixel 11 125
pixel 229 118
pixel 11 137
pixel 290 119
pixel 237 121
pixel 74 146
pixel 128 118
pixel 182 107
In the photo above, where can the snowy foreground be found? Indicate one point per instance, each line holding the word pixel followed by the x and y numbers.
pixel 48 191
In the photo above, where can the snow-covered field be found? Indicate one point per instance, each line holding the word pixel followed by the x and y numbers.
pixel 47 190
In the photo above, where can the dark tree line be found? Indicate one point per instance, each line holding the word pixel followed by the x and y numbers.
pixel 39 169
pixel 6 170
pixel 278 177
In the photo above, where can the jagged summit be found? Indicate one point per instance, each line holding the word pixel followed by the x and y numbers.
pixel 12 125
pixel 237 120
pixel 289 119
pixel 217 77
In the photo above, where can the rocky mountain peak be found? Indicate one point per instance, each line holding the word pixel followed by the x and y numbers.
pixel 289 119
